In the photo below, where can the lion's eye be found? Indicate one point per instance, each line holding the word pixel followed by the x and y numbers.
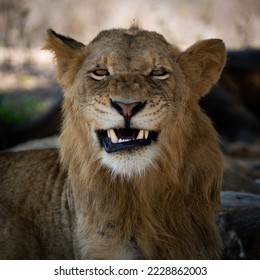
pixel 160 73
pixel 99 74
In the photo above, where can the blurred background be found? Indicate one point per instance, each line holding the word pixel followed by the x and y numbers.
pixel 23 23
pixel 30 97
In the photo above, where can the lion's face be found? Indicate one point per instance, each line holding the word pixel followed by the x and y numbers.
pixel 128 98
pixel 129 88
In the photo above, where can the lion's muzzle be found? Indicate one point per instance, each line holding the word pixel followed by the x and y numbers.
pixel 113 140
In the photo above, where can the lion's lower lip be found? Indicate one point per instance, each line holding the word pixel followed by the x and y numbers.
pixel 114 140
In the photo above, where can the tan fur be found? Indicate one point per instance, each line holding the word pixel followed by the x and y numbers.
pixel 158 201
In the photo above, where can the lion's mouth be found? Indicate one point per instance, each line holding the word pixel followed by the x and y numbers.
pixel 114 140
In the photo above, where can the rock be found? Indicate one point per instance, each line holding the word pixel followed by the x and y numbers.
pixel 237 181
pixel 242 167
pixel 230 117
pixel 239 224
pixel 244 150
pixel 44 143
pixel 232 244
pixel 247 167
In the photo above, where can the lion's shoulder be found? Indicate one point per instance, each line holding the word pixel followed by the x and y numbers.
pixel 33 204
pixel 29 159
pixel 27 171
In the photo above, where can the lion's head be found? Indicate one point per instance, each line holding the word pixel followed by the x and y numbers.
pixel 130 91
pixel 140 153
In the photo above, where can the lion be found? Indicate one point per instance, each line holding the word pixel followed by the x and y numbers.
pixel 139 168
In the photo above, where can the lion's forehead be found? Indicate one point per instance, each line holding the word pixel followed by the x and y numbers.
pixel 124 38
pixel 138 52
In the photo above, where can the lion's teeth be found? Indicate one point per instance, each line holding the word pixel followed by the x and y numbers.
pixel 113 136
pixel 124 140
pixel 140 134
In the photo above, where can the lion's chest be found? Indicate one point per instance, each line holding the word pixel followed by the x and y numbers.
pixel 103 239
pixel 95 247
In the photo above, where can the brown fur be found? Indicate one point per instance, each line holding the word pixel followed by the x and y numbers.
pixel 155 202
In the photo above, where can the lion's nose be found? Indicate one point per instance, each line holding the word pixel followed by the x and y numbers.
pixel 127 110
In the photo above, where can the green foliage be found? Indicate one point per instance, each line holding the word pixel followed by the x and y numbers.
pixel 18 111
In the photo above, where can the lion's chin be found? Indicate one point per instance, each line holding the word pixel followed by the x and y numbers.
pixel 114 140
pixel 131 163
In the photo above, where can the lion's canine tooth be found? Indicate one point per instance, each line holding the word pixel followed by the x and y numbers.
pixel 146 134
pixel 109 133
pixel 140 134
pixel 114 138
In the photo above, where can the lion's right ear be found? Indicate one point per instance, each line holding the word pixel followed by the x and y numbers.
pixel 68 54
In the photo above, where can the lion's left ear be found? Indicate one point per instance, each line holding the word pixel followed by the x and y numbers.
pixel 68 56
pixel 202 64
